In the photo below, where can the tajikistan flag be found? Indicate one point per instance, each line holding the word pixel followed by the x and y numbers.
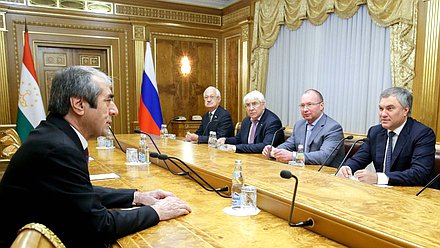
pixel 30 103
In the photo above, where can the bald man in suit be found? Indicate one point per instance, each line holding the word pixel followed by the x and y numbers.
pixel 324 134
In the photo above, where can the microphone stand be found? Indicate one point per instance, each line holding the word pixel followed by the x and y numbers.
pixel 209 188
pixel 149 136
pixel 334 149
pixel 287 175
pixel 348 153
pixel 429 184
pixel 273 139
pixel 183 173
pixel 117 141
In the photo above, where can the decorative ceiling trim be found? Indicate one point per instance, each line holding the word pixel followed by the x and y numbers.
pixel 167 14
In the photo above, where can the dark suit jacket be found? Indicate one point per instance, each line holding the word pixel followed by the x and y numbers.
pixel 47 181
pixel 221 124
pixel 413 154
pixel 268 124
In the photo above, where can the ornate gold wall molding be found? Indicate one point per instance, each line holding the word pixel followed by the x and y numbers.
pixel 123 59
pixel 116 9
pixel 167 14
pixel 225 70
pixel 5 116
pixel 236 16
pixel 427 82
pixel 139 34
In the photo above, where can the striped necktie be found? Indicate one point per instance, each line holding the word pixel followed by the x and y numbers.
pixel 389 153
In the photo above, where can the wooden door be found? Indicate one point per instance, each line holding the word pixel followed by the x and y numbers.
pixel 51 59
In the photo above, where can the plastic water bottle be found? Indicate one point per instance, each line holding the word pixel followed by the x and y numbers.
pixel 237 183
pixel 164 131
pixel 212 140
pixel 143 150
pixel 109 140
pixel 300 156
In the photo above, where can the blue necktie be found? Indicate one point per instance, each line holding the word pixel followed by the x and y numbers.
pixel 309 128
pixel 389 152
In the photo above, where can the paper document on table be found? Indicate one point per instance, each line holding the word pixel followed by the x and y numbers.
pixel 104 176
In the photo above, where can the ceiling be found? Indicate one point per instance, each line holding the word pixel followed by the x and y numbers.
pixel 216 4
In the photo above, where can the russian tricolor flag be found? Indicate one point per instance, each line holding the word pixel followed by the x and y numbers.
pixel 150 112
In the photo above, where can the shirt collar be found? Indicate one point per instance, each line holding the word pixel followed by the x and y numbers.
pixel 399 129
pixel 316 121
pixel 213 112
pixel 83 140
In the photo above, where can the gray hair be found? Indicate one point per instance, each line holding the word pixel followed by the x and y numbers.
pixel 404 96
pixel 75 81
pixel 316 92
pixel 255 94
pixel 217 92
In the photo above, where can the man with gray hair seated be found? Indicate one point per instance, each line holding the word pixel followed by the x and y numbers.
pixel 48 181
pixel 217 119
pixel 257 130
pixel 401 148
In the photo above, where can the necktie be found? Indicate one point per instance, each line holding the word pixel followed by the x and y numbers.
pixel 210 116
pixel 306 141
pixel 253 129
pixel 86 154
pixel 389 153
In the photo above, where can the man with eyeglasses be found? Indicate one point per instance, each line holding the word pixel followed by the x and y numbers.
pixel 401 148
pixel 257 130
pixel 317 132
pixel 217 119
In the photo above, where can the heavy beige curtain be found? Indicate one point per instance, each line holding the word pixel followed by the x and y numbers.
pixel 399 15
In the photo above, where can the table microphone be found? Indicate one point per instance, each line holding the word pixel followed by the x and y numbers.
pixel 159 156
pixel 117 141
pixel 273 139
pixel 429 184
pixel 334 149
pixel 287 175
pixel 207 125
pixel 152 141
pixel 348 153
pixel 211 188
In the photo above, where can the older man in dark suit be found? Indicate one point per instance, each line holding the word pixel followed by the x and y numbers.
pixel 217 119
pixel 257 130
pixel 401 148
pixel 47 180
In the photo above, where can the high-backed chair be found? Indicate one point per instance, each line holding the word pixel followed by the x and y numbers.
pixel 35 235
pixel 237 127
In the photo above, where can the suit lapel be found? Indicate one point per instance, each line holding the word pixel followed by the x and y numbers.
pixel 381 140
pixel 401 141
pixel 316 129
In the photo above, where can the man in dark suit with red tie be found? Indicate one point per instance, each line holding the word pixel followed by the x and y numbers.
pixel 48 182
pixel 401 148
pixel 257 130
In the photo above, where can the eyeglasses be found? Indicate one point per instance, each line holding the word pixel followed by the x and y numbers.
pixel 252 105
pixel 308 105
pixel 210 97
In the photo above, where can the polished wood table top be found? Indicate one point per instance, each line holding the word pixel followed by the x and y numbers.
pixel 352 213
pixel 207 225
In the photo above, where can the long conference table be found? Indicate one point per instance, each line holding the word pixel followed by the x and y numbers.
pixel 345 212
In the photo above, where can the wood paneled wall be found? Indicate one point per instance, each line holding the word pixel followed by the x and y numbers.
pixel 211 38
pixel 426 87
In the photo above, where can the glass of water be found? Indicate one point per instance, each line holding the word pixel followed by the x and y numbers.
pixel 249 198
